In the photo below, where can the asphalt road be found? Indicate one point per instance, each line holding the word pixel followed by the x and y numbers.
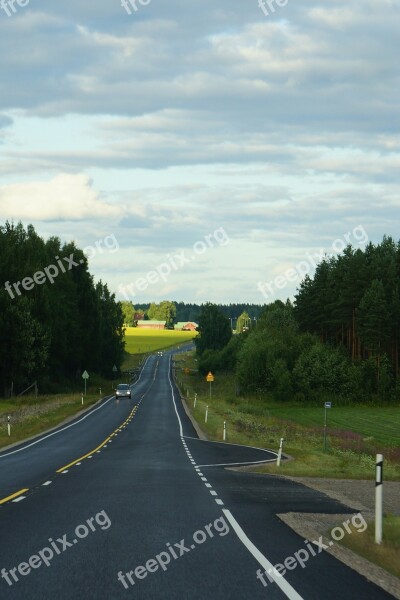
pixel 128 503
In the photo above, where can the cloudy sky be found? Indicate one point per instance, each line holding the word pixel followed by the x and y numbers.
pixel 200 149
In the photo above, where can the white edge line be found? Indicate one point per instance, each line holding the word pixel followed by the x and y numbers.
pixel 68 426
pixel 284 585
pixel 257 462
pixel 228 444
pixel 173 398
pixel 280 581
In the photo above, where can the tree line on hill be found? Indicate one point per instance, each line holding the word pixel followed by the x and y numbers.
pixel 338 340
pixel 55 320
pixel 174 312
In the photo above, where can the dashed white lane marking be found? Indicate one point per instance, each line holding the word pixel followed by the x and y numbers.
pixel 64 472
pixel 46 483
pixel 282 583
pixel 78 464
pixel 19 499
pixel 208 485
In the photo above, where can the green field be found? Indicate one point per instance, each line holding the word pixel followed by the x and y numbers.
pixel 355 434
pixel 381 424
pixel 142 341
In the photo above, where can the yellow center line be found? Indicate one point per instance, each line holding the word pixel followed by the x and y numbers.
pixel 71 464
pixel 4 500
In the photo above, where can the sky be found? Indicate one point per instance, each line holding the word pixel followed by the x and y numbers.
pixel 201 151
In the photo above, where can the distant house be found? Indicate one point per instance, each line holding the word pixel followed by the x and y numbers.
pixel 186 326
pixel 138 316
pixel 151 324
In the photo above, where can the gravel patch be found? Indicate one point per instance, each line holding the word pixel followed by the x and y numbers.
pixel 360 497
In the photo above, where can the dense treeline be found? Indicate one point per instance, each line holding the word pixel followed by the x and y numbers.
pixel 55 321
pixel 340 339
pixel 354 301
pixel 191 312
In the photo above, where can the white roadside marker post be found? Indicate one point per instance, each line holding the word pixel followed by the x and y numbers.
pixel 378 498
pixel 278 459
pixel 82 398
pixel 205 420
pixel 224 438
pixel 8 426
pixel 195 400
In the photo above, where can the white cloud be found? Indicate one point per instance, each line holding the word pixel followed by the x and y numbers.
pixel 284 130
pixel 65 197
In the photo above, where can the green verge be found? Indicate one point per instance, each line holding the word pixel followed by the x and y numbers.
pixel 262 422
pixel 385 554
pixel 31 416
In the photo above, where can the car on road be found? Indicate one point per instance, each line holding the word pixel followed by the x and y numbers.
pixel 123 390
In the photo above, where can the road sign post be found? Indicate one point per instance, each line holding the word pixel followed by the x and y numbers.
pixel 210 378
pixel 85 377
pixel 327 405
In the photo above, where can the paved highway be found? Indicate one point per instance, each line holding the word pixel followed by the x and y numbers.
pixel 127 502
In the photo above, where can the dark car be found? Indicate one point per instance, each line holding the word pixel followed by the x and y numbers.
pixel 123 390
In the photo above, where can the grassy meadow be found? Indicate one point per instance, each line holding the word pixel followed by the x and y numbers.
pixel 143 341
pixel 354 434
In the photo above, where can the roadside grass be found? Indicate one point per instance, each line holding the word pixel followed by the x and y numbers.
pixel 385 554
pixel 142 341
pixel 261 422
pixel 379 424
pixel 30 416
